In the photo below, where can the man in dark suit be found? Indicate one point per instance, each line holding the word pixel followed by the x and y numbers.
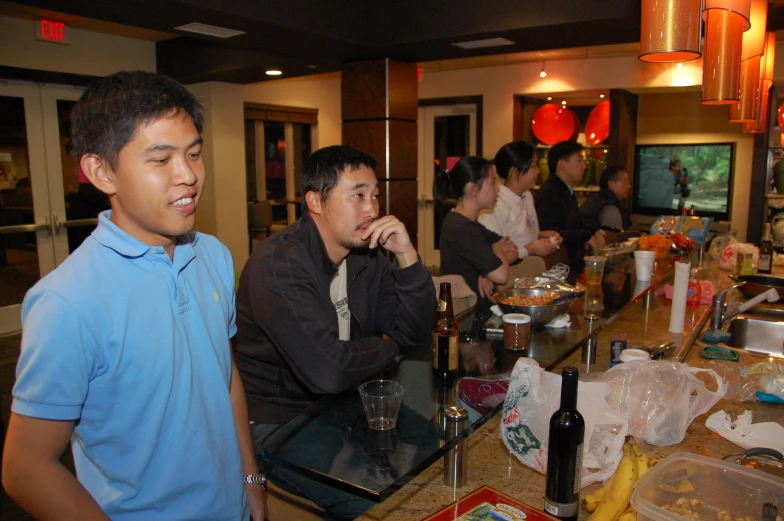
pixel 556 202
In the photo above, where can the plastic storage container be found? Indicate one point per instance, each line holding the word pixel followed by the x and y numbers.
pixel 631 354
pixel 712 488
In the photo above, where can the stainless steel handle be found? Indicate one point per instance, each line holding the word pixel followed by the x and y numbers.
pixel 54 226
pixel 23 228
pixel 73 223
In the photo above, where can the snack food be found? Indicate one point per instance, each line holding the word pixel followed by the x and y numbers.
pixel 530 300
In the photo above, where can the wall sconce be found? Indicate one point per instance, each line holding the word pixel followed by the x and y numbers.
pixel 670 30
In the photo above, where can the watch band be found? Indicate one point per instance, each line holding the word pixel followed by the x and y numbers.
pixel 259 479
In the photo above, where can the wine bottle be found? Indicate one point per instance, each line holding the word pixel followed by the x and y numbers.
pixel 565 452
pixel 765 264
pixel 445 337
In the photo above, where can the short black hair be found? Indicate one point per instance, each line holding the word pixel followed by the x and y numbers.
pixel 517 154
pixel 611 173
pixel 562 150
pixel 111 109
pixel 323 167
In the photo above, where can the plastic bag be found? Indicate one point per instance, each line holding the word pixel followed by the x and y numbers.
pixel 730 255
pixel 534 395
pixel 660 398
pixel 719 244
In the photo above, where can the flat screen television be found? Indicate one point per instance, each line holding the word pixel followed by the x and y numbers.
pixel 668 177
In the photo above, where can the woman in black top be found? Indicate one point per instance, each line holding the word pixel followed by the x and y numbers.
pixel 469 249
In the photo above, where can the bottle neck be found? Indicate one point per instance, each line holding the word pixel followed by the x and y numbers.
pixel 445 302
pixel 569 392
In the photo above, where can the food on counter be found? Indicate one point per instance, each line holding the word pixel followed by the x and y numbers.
pixel 611 502
pixel 656 242
pixel 522 299
pixel 682 241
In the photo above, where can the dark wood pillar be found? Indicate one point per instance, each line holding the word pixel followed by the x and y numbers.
pixel 758 214
pixel 623 133
pixel 379 106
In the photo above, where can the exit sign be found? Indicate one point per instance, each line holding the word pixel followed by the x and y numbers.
pixel 51 31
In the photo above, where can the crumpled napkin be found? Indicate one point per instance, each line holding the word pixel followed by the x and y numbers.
pixel 745 434
pixel 558 322
pixel 707 291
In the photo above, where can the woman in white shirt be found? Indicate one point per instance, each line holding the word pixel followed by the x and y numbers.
pixel 514 215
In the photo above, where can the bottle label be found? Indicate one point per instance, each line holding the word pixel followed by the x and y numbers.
pixel 560 509
pixel 578 471
pixel 441 307
pixel 764 263
pixel 447 344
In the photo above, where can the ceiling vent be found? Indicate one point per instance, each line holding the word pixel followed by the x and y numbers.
pixel 209 30
pixel 481 44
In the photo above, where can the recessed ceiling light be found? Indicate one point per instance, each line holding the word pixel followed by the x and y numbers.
pixel 481 44
pixel 209 30
pixel 680 65
pixel 601 95
pixel 274 72
pixel 563 102
pixel 549 98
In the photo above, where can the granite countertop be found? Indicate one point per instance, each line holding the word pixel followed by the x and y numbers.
pixel 490 462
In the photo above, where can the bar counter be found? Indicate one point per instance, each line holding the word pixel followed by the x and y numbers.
pixel 490 462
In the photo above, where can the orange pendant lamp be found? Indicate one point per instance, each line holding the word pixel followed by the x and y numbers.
pixel 725 22
pixel 766 82
pixel 753 48
pixel 670 30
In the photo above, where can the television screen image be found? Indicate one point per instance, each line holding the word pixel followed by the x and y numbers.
pixel 671 177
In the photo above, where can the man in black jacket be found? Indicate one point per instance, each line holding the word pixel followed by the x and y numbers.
pixel 603 210
pixel 315 298
pixel 556 203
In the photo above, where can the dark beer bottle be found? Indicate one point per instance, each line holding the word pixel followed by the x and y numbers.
pixel 565 452
pixel 765 263
pixel 445 337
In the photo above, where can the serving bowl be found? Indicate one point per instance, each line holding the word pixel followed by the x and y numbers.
pixel 540 315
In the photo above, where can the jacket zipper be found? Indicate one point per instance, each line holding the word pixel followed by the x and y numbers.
pixel 348 292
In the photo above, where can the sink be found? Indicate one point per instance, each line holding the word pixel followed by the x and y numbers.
pixel 757 333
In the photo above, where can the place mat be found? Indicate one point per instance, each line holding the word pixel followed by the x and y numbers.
pixel 487 504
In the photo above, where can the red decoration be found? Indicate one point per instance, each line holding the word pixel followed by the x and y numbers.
pixel 576 131
pixel 781 116
pixel 597 128
pixel 553 123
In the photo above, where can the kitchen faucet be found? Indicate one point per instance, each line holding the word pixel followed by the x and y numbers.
pixel 719 317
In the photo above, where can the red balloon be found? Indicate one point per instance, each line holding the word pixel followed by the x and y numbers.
pixel 576 132
pixel 552 123
pixel 781 116
pixel 597 128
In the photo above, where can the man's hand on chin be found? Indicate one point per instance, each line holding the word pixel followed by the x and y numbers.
pixel 390 233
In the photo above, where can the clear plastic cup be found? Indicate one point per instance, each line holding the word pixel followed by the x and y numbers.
pixel 643 264
pixel 381 400
pixel 594 274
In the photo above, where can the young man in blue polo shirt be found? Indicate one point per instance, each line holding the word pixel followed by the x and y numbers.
pixel 125 346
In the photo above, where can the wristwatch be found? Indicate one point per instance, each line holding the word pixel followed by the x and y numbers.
pixel 259 479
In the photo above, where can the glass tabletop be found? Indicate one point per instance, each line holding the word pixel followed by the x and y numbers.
pixel 332 443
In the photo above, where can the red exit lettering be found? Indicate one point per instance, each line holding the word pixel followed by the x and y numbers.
pixel 51 31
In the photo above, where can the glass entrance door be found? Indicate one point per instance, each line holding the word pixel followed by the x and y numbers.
pixel 446 133
pixel 39 190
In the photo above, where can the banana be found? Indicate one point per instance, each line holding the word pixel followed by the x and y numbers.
pixel 617 499
pixel 592 500
pixel 641 460
pixel 629 515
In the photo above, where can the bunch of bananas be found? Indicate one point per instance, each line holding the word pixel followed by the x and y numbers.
pixel 611 502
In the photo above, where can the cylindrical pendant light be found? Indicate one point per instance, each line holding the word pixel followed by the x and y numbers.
pixel 753 48
pixel 766 82
pixel 670 30
pixel 725 22
pixel 746 109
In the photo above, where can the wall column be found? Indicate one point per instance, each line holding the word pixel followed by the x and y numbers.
pixel 379 110
pixel 223 210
